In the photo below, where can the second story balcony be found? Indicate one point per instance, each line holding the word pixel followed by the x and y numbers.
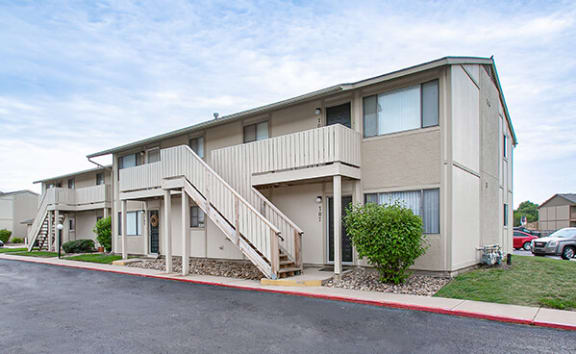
pixel 309 154
pixel 94 197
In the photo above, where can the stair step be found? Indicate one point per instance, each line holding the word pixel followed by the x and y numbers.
pixel 288 270
pixel 286 262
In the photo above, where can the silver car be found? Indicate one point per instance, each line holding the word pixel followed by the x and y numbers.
pixel 560 243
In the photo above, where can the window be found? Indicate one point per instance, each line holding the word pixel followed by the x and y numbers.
pixel 134 223
pixel 99 179
pixel 425 203
pixel 71 224
pixel 255 132
pixel 505 214
pixel 98 218
pixel 197 145
pixel 71 183
pixel 196 216
pixel 153 155
pixel 399 110
pixel 504 145
pixel 129 160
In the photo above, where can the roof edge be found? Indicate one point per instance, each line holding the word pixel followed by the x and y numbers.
pixel 72 174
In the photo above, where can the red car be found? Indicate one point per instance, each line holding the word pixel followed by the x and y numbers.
pixel 523 240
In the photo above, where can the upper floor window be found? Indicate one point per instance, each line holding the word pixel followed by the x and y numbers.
pixel 131 160
pixel 255 132
pixel 504 145
pixel 399 110
pixel 71 183
pixel 505 214
pixel 153 155
pixel 99 179
pixel 197 145
pixel 425 203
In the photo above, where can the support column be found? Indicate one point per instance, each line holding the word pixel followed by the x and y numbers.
pixel 185 233
pixel 50 231
pixel 168 229
pixel 146 229
pixel 338 225
pixel 57 232
pixel 105 213
pixel 124 228
pixel 357 198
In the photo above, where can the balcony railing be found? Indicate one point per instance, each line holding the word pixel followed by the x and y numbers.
pixel 315 147
pixel 80 196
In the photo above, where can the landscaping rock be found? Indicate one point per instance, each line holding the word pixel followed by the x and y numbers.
pixel 367 279
pixel 202 266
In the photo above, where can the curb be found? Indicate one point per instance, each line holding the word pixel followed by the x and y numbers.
pixel 381 303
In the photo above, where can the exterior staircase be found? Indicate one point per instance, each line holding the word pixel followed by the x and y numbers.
pixel 267 237
pixel 41 227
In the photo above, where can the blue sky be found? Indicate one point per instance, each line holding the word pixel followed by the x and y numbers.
pixel 77 77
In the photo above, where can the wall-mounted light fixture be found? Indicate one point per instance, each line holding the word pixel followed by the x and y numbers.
pixel 319 199
pixel 318 111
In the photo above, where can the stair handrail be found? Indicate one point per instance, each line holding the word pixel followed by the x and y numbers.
pixel 38 220
pixel 232 190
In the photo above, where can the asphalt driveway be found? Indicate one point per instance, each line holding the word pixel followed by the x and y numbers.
pixel 46 309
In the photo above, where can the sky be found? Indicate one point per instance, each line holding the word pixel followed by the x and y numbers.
pixel 77 77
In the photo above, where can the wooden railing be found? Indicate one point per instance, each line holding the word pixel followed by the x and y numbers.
pixel 145 176
pixel 334 143
pixel 94 194
pixel 34 230
pixel 257 230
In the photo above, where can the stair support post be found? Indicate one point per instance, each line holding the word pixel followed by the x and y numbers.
pixel 168 229
pixel 124 227
pixel 185 233
pixel 57 234
pixel 237 219
pixel 274 253
pixel 50 232
pixel 337 225
pixel 298 249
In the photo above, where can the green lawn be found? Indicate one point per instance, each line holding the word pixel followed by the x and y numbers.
pixel 10 250
pixel 42 254
pixel 95 258
pixel 530 281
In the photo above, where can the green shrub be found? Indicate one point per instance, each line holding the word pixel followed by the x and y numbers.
pixel 389 236
pixel 103 230
pixel 5 235
pixel 78 246
pixel 17 240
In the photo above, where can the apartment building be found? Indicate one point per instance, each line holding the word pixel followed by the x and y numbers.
pixel 557 212
pixel 16 207
pixel 270 184
pixel 76 200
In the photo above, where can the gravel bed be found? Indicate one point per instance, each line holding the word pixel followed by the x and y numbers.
pixel 202 266
pixel 367 279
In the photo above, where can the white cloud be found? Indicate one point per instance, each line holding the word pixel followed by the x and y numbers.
pixel 78 78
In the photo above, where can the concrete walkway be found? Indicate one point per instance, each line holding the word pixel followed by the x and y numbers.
pixel 491 311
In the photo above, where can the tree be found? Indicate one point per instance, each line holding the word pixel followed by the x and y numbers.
pixel 103 230
pixel 528 209
pixel 389 236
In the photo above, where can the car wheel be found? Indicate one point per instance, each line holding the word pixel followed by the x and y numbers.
pixel 527 246
pixel 568 252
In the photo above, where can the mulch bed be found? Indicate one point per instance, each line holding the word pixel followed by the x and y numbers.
pixel 367 279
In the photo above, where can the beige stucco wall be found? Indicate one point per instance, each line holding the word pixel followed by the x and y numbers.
pixel 15 208
pixel 555 214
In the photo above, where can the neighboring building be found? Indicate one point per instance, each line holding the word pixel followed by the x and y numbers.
pixel 557 212
pixel 270 184
pixel 76 200
pixel 16 207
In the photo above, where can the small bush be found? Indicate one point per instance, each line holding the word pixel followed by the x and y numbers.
pixel 78 246
pixel 389 236
pixel 5 235
pixel 103 230
pixel 17 240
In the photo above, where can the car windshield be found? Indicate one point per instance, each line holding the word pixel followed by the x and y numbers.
pixel 564 233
